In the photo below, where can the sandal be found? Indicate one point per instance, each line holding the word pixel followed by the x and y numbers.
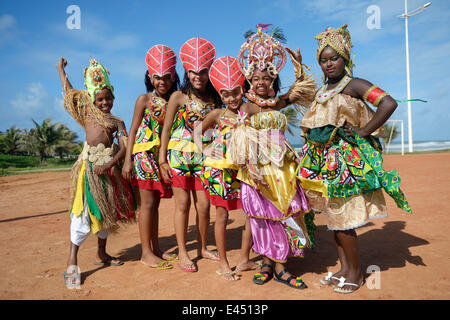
pixel 342 283
pixel 190 267
pixel 293 282
pixel 263 276
pixel 163 265
pixel 108 262
pixel 231 274
pixel 326 281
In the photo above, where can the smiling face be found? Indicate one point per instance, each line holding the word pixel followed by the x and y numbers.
pixel 199 80
pixel 233 98
pixel 261 81
pixel 332 64
pixel 104 100
pixel 163 84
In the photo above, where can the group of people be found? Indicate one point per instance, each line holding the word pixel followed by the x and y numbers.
pixel 217 138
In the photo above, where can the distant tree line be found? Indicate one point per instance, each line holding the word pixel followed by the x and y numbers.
pixel 45 140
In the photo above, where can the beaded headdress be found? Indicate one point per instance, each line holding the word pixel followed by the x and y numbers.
pixel 225 74
pixel 197 54
pixel 263 52
pixel 161 60
pixel 339 40
pixel 96 78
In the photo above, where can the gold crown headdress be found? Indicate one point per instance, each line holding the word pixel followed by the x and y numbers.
pixel 263 52
pixel 339 40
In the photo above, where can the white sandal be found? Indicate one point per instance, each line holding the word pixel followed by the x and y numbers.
pixel 342 283
pixel 326 280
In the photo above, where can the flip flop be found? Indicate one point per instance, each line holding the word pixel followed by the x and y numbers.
pixel 108 262
pixel 342 283
pixel 163 265
pixel 326 281
pixel 188 267
pixel 228 273
pixel 215 255
pixel 172 257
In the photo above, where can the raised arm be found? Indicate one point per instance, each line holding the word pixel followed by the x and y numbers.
pixel 139 109
pixel 62 74
pixel 303 90
pixel 386 105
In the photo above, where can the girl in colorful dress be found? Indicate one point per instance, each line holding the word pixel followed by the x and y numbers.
pixel 100 197
pixel 143 150
pixel 280 218
pixel 219 173
pixel 180 161
pixel 341 165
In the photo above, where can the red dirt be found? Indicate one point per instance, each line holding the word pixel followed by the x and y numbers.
pixel 411 251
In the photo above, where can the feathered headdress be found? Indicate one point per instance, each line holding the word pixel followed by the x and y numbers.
pixel 161 60
pixel 339 40
pixel 96 78
pixel 262 51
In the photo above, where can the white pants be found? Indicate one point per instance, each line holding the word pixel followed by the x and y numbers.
pixel 80 227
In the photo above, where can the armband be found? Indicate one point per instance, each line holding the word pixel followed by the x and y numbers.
pixel 122 133
pixel 374 95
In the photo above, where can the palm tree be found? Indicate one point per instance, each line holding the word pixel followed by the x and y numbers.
pixel 11 140
pixel 46 136
pixel 67 144
pixel 292 119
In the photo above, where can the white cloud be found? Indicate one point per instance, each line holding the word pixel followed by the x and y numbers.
pixel 8 28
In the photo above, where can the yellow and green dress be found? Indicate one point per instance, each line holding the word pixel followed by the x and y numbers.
pixel 183 156
pixel 343 176
pixel 146 148
pixel 219 174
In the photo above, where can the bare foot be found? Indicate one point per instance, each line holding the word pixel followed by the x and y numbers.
pixel 151 260
pixel 248 265
pixel 167 256
pixel 335 278
pixel 228 275
pixel 354 280
pixel 105 259
pixel 208 254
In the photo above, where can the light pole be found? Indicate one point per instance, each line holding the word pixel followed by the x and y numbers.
pixel 406 15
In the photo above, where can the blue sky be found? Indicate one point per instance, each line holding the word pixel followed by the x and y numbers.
pixel 33 35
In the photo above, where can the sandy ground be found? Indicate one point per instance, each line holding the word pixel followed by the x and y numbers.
pixel 410 251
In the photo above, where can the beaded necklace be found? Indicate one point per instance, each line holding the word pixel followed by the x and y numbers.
pixel 323 95
pixel 261 102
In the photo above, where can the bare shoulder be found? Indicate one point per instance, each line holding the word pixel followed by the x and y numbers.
pixel 178 97
pixel 357 87
pixel 249 108
pixel 143 99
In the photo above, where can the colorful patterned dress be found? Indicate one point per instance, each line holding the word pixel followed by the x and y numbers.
pixel 146 148
pixel 183 156
pixel 280 218
pixel 219 174
pixel 343 176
